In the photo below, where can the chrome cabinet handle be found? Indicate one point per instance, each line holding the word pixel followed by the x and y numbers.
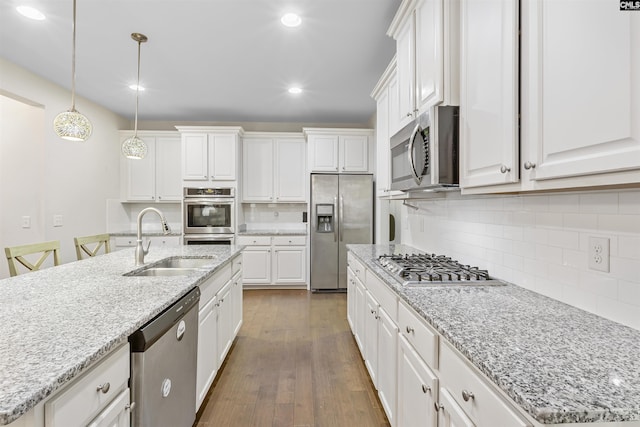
pixel 409 114
pixel 529 165
pixel 409 329
pixel 504 169
pixel 130 406
pixel 466 395
pixel 372 311
pixel 438 406
pixel 425 388
pixel 104 387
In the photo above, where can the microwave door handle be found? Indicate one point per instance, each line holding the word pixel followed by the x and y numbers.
pixel 335 211
pixel 412 163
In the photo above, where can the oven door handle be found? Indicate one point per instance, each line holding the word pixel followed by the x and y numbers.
pixel 412 163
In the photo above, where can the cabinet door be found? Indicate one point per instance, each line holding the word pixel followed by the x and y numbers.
pixel 417 389
pixel 222 157
pixel 323 153
pixel 450 414
pixel 429 53
pixel 117 414
pixel 351 300
pixel 405 48
pixel 290 170
pixel 360 310
pixel 257 167
pixel 256 264
pixel 489 92
pixel 354 153
pixel 382 144
pixel 168 169
pixel 207 350
pixel 289 264
pixel 387 372
pixel 237 303
pixel 225 322
pixel 195 157
pixel 163 241
pixel 580 89
pixel 141 177
pixel 371 337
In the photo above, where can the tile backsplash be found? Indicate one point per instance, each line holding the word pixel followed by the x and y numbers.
pixel 540 242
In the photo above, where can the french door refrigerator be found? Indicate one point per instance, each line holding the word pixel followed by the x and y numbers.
pixel 341 214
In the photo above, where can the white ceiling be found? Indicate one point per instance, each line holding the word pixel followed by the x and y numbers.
pixel 211 60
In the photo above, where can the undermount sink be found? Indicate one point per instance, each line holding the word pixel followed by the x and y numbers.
pixel 174 266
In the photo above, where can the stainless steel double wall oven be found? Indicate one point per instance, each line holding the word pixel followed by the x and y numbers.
pixel 209 216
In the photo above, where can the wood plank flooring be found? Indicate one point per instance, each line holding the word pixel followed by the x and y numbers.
pixel 294 363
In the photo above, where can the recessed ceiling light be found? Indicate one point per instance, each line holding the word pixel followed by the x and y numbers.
pixel 30 13
pixel 134 87
pixel 295 90
pixel 291 20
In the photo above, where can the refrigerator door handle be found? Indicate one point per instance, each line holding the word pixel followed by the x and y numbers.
pixel 341 217
pixel 335 210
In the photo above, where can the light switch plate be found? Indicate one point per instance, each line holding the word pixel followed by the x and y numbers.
pixel 26 222
pixel 57 220
pixel 599 254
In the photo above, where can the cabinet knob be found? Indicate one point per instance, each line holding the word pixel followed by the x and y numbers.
pixel 409 329
pixel 104 387
pixel 159 197
pixel 504 169
pixel 425 388
pixel 409 114
pixel 466 395
pixel 372 311
pixel 529 165
pixel 130 406
pixel 438 406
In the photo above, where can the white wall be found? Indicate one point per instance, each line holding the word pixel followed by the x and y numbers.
pixel 540 242
pixel 42 175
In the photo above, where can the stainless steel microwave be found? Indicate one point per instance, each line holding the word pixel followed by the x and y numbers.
pixel 424 154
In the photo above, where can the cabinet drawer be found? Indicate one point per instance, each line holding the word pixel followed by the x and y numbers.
pixel 289 240
pixel 213 284
pixel 385 296
pixel 422 337
pixel 236 265
pixel 253 240
pixel 356 266
pixel 483 405
pixel 125 241
pixel 82 400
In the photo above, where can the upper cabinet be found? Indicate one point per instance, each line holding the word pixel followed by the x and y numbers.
pixel 210 153
pixel 339 150
pixel 156 178
pixel 571 135
pixel 427 40
pixel 274 167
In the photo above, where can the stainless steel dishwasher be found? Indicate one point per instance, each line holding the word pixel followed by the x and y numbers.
pixel 163 366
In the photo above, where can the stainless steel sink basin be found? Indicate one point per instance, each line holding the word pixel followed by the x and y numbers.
pixel 165 272
pixel 183 262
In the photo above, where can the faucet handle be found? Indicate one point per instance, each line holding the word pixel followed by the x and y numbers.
pixel 146 251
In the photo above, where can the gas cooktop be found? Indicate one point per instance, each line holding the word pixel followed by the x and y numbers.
pixel 434 270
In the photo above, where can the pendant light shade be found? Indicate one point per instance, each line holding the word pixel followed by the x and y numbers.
pixel 72 125
pixel 134 147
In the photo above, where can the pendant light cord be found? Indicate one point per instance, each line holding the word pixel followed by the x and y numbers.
pixel 135 129
pixel 73 61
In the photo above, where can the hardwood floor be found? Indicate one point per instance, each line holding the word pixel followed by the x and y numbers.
pixel 294 363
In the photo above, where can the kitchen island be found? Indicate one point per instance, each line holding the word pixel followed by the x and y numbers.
pixel 557 363
pixel 58 322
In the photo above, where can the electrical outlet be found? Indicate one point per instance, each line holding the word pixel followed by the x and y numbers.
pixel 599 253
pixel 26 222
pixel 57 220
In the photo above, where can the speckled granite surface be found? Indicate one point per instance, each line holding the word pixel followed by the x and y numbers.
pixel 559 363
pixel 55 323
pixel 273 232
pixel 134 233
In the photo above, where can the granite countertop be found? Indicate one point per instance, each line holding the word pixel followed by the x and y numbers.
pixel 559 363
pixel 273 232
pixel 134 233
pixel 57 322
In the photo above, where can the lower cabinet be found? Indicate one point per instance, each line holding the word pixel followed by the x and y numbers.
pixel 122 242
pixel 274 260
pixel 219 320
pixel 417 389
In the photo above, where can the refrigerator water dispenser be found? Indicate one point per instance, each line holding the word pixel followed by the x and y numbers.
pixel 324 215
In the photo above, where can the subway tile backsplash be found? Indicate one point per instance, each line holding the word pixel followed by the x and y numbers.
pixel 540 242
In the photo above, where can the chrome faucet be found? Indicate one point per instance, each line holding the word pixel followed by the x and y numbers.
pixel 140 250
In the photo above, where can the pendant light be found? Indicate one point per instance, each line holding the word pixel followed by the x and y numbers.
pixel 134 147
pixel 71 125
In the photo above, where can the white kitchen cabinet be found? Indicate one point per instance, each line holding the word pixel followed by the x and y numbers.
pixel 427 46
pixel 209 154
pixel 360 299
pixel 387 361
pixel 339 150
pixel 86 399
pixel 570 137
pixel 276 261
pixel 489 92
pixel 207 350
pixel 417 389
pixel 116 414
pixel 450 414
pixel 156 177
pixel 123 242
pixel 371 337
pixel 237 302
pixel 274 168
pixel 224 305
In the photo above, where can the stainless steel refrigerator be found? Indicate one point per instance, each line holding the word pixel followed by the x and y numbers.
pixel 341 214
